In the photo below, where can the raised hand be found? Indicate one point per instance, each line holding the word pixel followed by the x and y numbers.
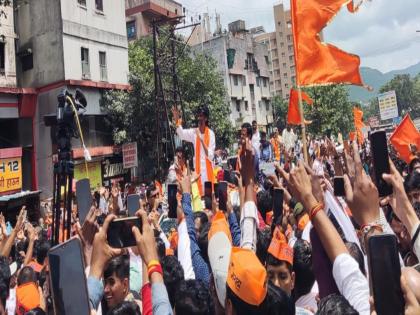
pixel 145 239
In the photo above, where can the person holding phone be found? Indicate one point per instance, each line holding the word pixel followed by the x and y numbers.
pixel 204 142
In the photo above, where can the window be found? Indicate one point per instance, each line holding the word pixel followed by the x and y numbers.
pixel 291 58
pixel 294 80
pixel 244 80
pixel 287 95
pixel 289 38
pixel 258 80
pixel 131 29
pixel 286 85
pixel 266 59
pixel 285 75
pixel 238 105
pixel 292 68
pixel 265 82
pixel 85 63
pixel 99 5
pixel 284 65
pixel 289 24
pixel 102 65
pixel 283 54
pixel 281 44
pixel 82 2
pixel 27 62
pixel 279 23
pixel 2 59
pixel 235 80
pixel 267 106
pixel 281 34
pixel 290 48
pixel 246 105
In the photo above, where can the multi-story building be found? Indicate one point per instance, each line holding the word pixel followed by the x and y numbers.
pixel 68 44
pixel 281 56
pixel 244 65
pixel 140 14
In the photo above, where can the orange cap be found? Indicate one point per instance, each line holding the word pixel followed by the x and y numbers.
pixel 247 277
pixel 27 297
pixel 279 247
pixel 303 221
pixel 219 224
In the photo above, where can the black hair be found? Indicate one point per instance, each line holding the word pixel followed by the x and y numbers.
pixel 411 165
pixel 254 122
pixel 119 265
pixel 125 308
pixel 273 261
pixel 203 217
pixel 416 207
pixel 302 265
pixel 335 304
pixel 277 302
pixel 204 110
pixel 4 279
pixel 263 242
pixel 160 246
pixel 150 188
pixel 26 275
pixel 413 182
pixel 248 128
pixel 240 306
pixel 173 276
pixel 42 251
pixel 357 254
pixel 193 298
pixel 180 149
pixel 203 241
pixel 264 202
pixel 36 311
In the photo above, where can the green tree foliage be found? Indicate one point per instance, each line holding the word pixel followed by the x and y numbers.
pixel 132 115
pixel 280 107
pixel 331 111
pixel 405 90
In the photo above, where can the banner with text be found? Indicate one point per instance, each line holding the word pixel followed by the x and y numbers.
pixel 388 106
pixel 130 155
pixel 10 170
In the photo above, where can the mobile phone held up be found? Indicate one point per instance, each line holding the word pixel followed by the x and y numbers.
pixel 379 152
pixel 172 201
pixel 133 204
pixel 385 274
pixel 67 279
pixel 339 186
pixel 278 195
pixel 208 192
pixel 120 233
pixel 222 194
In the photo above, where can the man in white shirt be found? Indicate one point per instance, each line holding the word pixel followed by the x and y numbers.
pixel 204 142
pixel 289 138
pixel 255 137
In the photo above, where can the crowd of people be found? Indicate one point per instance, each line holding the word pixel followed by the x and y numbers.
pixel 310 259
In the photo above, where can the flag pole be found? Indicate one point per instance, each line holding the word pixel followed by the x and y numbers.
pixel 302 120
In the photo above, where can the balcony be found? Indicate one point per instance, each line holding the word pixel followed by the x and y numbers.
pixel 104 73
pixel 85 71
pixel 154 8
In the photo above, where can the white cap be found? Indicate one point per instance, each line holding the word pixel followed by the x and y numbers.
pixel 219 249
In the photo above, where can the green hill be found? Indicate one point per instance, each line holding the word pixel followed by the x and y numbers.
pixel 376 79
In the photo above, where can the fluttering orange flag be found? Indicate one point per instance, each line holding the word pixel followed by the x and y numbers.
pixel 358 123
pixel 405 134
pixel 293 114
pixel 318 63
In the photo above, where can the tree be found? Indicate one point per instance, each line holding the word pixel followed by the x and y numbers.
pixel 280 107
pixel 331 111
pixel 132 115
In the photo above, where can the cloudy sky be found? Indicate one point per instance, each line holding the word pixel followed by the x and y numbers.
pixel 382 33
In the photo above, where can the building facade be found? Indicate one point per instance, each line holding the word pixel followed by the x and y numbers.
pixel 140 14
pixel 281 48
pixel 68 44
pixel 244 66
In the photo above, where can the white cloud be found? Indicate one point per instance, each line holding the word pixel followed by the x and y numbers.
pixel 382 33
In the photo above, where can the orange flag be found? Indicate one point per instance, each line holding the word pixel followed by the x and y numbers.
pixel 404 135
pixel 293 114
pixel 318 63
pixel 358 118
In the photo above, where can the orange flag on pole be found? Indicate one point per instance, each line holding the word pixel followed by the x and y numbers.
pixel 358 123
pixel 293 114
pixel 404 135
pixel 318 63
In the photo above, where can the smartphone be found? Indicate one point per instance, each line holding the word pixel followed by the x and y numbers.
pixel 379 153
pixel 216 190
pixel 172 201
pixel 222 187
pixel 339 186
pixel 67 278
pixel 133 204
pixel 233 162
pixel 385 273
pixel 278 195
pixel 119 232
pixel 208 189
pixel 83 198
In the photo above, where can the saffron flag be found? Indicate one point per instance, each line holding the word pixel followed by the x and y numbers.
pixel 358 123
pixel 318 63
pixel 293 114
pixel 405 134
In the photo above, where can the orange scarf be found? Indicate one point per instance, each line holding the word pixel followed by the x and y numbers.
pixel 209 166
pixel 27 297
pixel 276 149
